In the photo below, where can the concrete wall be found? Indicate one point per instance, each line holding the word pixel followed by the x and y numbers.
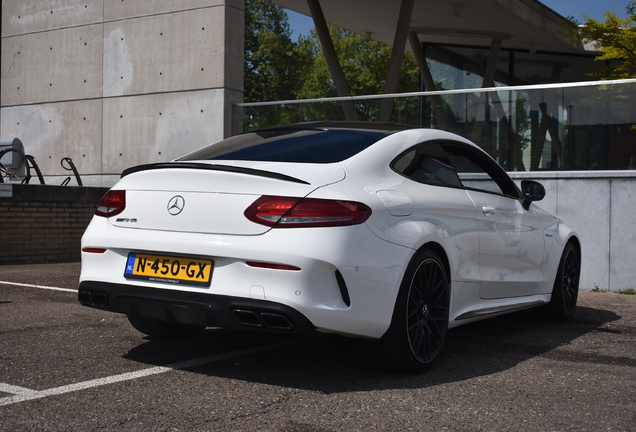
pixel 601 207
pixel 112 83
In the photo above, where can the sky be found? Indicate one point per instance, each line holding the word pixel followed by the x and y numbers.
pixel 301 24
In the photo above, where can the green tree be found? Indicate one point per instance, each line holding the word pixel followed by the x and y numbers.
pixel 365 64
pixel 277 68
pixel 273 63
pixel 616 38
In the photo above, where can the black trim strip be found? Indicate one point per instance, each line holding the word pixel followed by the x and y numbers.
pixel 499 309
pixel 202 166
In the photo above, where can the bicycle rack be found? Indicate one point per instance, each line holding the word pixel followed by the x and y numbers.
pixel 71 165
pixel 31 160
pixel 9 171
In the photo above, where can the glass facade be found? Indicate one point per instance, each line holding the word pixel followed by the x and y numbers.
pixel 590 127
pixel 544 112
pixel 457 67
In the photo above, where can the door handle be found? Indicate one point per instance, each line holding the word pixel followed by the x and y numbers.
pixel 488 210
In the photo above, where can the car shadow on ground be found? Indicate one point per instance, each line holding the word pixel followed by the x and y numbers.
pixel 332 364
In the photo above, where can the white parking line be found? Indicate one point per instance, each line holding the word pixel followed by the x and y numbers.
pixel 8 388
pixel 22 394
pixel 38 286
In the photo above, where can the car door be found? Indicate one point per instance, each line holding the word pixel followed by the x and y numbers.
pixel 511 240
pixel 436 202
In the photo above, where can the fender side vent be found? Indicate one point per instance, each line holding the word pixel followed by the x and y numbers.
pixel 344 292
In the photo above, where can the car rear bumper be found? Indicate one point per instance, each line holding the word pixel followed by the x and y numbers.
pixel 195 308
pixel 347 282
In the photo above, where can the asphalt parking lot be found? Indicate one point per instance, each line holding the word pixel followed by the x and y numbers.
pixel 67 367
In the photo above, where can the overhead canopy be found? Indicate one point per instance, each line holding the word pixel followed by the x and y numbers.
pixel 510 42
pixel 520 24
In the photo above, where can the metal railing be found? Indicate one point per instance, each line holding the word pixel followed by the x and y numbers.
pixel 569 126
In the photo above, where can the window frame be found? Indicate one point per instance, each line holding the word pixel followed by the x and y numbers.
pixel 474 155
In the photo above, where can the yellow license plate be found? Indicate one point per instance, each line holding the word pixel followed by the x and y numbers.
pixel 169 269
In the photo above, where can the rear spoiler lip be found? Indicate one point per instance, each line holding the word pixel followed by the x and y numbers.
pixel 210 167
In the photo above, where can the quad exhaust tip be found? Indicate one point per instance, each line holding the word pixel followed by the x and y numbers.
pixel 93 298
pixel 258 319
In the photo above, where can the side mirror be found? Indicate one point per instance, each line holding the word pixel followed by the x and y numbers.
pixel 531 191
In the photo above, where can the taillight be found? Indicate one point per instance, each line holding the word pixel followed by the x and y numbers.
pixel 291 212
pixel 272 265
pixel 113 203
pixel 93 250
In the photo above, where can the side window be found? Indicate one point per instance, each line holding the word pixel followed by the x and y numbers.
pixel 427 164
pixel 478 172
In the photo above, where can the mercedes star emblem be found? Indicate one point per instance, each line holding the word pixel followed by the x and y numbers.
pixel 176 205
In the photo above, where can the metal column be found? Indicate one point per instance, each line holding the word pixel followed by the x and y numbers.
pixel 397 55
pixel 332 58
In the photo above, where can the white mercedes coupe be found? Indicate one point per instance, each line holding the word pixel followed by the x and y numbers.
pixel 374 231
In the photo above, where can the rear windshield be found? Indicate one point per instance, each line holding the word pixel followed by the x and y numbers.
pixel 290 145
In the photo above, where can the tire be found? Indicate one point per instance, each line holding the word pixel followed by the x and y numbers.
pixel 164 330
pixel 420 317
pixel 566 285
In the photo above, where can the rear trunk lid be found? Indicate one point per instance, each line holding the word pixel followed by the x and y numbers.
pixel 211 198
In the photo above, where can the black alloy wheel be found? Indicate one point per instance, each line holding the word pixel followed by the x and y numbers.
pixel 566 285
pixel 420 318
pixel 427 310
